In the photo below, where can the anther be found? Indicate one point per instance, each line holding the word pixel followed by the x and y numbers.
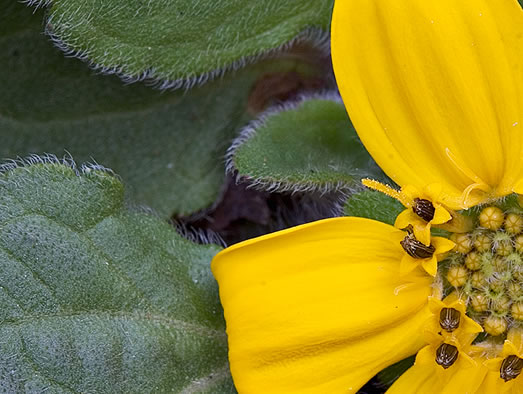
pixel 491 218
pixel 415 248
pixel 449 319
pixel 424 209
pixel 462 241
pixel 500 263
pixel 496 285
pixel 518 273
pixel 503 248
pixel 514 259
pixel 517 311
pixel 515 291
pixel 511 368
pixel 487 266
pixel 477 280
pixel 479 302
pixel 482 243
pixel 501 304
pixel 513 223
pixel 472 261
pixel 446 355
pixel 457 275
pixel 494 325
pixel 518 243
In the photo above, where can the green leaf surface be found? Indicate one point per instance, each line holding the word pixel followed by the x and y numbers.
pixel 168 147
pixel 95 298
pixel 309 145
pixel 373 205
pixel 181 39
pixel 390 374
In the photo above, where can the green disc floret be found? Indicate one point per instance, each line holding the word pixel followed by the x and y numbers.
pixel 486 267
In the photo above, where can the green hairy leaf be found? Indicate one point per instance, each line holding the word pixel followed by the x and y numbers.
pixel 390 374
pixel 373 205
pixel 309 145
pixel 168 147
pixel 95 298
pixel 181 41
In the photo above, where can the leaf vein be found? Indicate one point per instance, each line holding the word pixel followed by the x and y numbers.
pixel 145 317
pixel 34 274
pixel 39 372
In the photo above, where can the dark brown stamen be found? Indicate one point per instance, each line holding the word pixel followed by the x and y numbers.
pixel 511 368
pixel 415 248
pixel 449 319
pixel 424 209
pixel 446 355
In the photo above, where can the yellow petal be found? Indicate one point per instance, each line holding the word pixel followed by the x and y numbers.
pixel 442 245
pixel 319 308
pixel 458 224
pixel 420 227
pixel 417 379
pixel 492 383
pixel 434 89
pixel 410 192
pixel 468 328
pixel 405 218
pixel 425 376
pixel 517 388
pixel 433 191
pixel 515 340
pixel 422 232
pixel 441 215
pixel 409 264
pixel 430 265
pixel 518 187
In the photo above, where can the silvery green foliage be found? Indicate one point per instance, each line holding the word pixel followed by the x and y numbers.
pixel 96 298
pixel 372 204
pixel 168 147
pixel 304 146
pixel 181 43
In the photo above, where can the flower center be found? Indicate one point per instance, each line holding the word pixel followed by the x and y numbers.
pixel 486 267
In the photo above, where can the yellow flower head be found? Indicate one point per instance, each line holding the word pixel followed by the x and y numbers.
pixel 423 208
pixel 435 91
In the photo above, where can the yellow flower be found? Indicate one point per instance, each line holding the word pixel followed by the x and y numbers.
pixel 423 208
pixel 435 90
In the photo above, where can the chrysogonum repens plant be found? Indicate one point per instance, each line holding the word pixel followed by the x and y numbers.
pixel 98 295
pixel 434 89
